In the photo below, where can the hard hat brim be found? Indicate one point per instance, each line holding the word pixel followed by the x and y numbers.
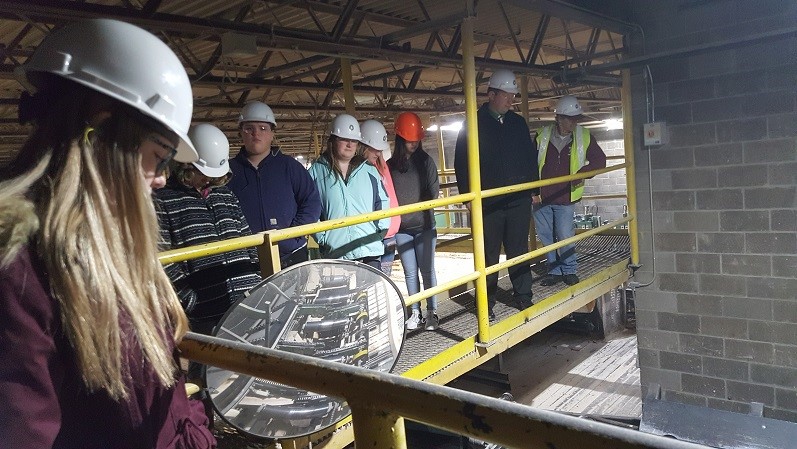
pixel 514 91
pixel 212 172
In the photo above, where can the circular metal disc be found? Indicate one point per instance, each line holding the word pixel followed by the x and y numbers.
pixel 336 310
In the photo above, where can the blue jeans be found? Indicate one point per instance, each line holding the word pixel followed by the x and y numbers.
pixel 416 250
pixel 389 256
pixel 554 223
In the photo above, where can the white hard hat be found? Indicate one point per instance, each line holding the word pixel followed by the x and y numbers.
pixel 213 148
pixel 568 105
pixel 257 111
pixel 503 79
pixel 374 135
pixel 346 127
pixel 125 63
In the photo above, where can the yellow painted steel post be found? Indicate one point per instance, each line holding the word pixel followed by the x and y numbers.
pixel 477 223
pixel 524 109
pixel 441 156
pixel 348 90
pixel 269 255
pixel 377 429
pixel 630 170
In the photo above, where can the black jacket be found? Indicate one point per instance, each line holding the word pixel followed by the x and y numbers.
pixel 507 156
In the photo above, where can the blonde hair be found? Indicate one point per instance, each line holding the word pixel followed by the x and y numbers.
pixel 98 238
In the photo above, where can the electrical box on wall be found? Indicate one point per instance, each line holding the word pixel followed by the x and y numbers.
pixel 656 133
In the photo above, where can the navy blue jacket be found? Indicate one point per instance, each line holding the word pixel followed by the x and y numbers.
pixel 278 194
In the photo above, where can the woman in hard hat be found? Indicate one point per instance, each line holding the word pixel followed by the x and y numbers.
pixel 349 186
pixel 415 179
pixel 88 318
pixel 196 207
pixel 374 140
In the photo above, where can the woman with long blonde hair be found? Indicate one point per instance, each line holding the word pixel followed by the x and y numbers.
pixel 88 318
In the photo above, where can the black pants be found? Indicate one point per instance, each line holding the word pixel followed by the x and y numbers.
pixel 509 225
pixel 374 261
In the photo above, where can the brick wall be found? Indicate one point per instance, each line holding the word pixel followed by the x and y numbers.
pixel 718 325
pixel 612 183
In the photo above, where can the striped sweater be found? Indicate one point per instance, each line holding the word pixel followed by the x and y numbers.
pixel 209 285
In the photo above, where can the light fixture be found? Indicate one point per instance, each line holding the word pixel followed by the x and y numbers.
pixel 456 126
pixel 613 123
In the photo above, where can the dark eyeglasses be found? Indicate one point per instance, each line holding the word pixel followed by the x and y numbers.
pixel 163 162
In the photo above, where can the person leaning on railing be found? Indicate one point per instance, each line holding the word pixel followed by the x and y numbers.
pixel 196 207
pixel 88 318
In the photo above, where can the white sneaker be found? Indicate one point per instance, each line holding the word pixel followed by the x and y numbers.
pixel 414 320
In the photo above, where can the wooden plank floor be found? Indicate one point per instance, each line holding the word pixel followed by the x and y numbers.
pixel 605 383
pixel 571 373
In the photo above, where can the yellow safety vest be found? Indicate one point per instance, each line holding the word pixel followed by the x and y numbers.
pixel 578 154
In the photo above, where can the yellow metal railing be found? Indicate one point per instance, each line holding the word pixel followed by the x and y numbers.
pixel 267 241
pixel 379 402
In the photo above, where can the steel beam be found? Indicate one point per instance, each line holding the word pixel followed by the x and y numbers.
pixel 568 11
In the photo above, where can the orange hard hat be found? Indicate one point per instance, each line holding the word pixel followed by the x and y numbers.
pixel 408 126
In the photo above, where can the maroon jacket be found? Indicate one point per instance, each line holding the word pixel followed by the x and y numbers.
pixel 44 403
pixel 558 164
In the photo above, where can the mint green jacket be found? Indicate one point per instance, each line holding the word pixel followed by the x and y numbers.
pixel 362 193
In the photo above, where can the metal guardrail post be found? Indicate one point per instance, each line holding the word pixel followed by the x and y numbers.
pixel 630 169
pixel 382 430
pixel 348 89
pixel 441 156
pixel 269 255
pixel 477 223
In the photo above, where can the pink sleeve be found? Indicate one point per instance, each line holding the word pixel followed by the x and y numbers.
pixel 387 180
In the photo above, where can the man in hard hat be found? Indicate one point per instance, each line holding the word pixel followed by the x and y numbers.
pixel 565 148
pixel 274 189
pixel 507 156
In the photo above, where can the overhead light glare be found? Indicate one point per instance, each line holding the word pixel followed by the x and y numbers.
pixel 613 123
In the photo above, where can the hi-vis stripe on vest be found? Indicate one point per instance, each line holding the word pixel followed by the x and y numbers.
pixel 578 154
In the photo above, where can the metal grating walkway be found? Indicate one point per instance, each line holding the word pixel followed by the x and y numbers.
pixel 458 315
